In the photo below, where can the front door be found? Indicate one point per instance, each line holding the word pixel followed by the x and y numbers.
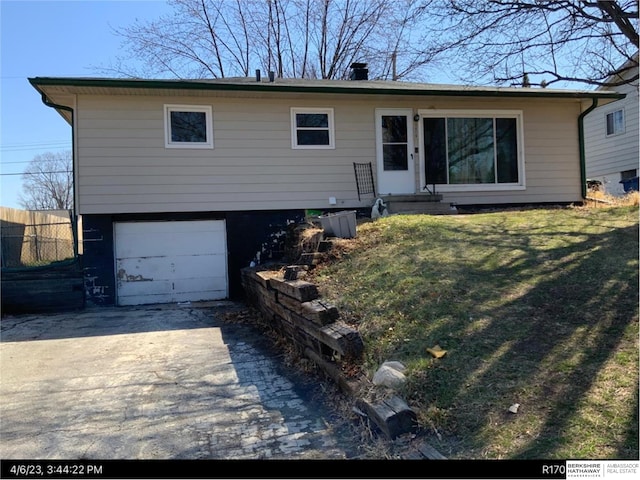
pixel 394 139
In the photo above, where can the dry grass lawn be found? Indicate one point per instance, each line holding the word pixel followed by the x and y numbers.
pixel 537 308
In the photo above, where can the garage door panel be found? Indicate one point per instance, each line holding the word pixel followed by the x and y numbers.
pixel 192 289
pixel 199 266
pixel 162 262
pixel 139 270
pixel 198 296
pixel 165 268
pixel 188 285
pixel 136 289
pixel 188 226
pixel 158 244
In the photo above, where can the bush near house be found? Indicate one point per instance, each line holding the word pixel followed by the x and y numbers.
pixel 537 308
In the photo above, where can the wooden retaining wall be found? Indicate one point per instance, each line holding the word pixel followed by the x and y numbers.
pixel 53 288
pixel 294 308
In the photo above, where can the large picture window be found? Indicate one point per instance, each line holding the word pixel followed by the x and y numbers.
pixel 312 128
pixel 473 148
pixel 188 126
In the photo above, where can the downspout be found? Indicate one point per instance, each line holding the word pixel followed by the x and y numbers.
pixel 583 157
pixel 74 217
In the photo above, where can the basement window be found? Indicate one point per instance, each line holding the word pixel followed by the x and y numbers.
pixel 312 128
pixel 188 126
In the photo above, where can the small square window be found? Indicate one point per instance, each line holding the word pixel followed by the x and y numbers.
pixel 312 128
pixel 188 126
pixel 615 122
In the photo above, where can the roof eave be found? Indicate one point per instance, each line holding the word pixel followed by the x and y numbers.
pixel 63 110
pixel 39 82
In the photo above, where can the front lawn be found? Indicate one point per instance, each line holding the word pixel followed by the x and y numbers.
pixel 537 308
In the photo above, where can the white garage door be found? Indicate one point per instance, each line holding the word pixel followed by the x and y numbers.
pixel 166 262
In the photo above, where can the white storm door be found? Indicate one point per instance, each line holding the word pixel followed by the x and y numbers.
pixel 173 261
pixel 394 148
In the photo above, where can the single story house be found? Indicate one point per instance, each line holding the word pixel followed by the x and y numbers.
pixel 612 137
pixel 182 183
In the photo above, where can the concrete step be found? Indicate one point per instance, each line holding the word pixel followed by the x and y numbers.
pixel 414 198
pixel 426 208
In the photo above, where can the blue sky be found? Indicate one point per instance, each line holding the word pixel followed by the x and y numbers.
pixel 51 38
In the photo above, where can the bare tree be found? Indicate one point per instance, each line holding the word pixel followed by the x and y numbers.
pixel 47 182
pixel 292 38
pixel 537 42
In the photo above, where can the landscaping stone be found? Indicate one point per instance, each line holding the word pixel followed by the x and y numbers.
pixel 390 374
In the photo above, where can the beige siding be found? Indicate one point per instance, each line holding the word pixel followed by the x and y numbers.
pixel 123 165
pixel 608 156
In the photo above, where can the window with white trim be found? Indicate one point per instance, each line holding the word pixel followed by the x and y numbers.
pixel 188 126
pixel 615 122
pixel 473 149
pixel 312 128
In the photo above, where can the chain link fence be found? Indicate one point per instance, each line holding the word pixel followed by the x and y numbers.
pixel 32 239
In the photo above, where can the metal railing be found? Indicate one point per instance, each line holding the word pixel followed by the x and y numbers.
pixel 364 179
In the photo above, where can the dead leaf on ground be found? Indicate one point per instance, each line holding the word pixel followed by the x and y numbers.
pixel 437 351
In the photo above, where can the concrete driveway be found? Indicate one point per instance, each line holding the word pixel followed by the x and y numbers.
pixel 159 382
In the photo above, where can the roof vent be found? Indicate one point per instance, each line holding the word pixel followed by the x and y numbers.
pixel 359 71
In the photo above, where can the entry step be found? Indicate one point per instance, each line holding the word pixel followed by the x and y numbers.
pixel 417 197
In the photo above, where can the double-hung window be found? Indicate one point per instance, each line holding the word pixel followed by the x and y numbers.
pixel 188 126
pixel 615 122
pixel 312 128
pixel 473 149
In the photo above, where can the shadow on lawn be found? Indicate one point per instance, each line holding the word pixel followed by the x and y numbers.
pixel 543 348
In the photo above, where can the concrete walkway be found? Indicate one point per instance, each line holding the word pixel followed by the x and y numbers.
pixel 160 382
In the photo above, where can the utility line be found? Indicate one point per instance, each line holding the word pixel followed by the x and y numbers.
pixel 42 142
pixel 35 173
pixel 43 146
pixel 19 161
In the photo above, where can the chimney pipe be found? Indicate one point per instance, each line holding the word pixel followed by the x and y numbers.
pixel 359 71
pixel 257 75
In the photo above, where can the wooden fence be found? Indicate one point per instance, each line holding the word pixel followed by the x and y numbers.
pixel 35 238
pixel 40 269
